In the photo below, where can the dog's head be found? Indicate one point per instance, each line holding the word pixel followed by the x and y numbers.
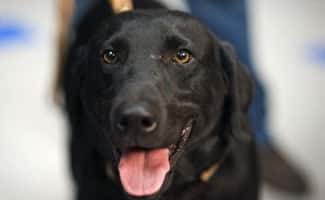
pixel 152 84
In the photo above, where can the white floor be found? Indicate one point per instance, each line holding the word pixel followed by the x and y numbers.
pixel 33 162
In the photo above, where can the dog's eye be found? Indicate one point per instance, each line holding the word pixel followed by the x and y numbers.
pixel 183 56
pixel 110 56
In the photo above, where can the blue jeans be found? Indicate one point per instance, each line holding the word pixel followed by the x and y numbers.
pixel 228 19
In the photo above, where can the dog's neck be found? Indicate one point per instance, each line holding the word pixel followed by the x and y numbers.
pixel 224 170
pixel 202 168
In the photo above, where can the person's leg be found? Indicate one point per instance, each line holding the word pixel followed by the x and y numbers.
pixel 82 6
pixel 228 19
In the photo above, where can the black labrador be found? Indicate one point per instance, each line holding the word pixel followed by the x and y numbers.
pixel 157 107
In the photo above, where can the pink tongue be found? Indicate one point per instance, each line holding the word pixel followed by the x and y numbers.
pixel 142 172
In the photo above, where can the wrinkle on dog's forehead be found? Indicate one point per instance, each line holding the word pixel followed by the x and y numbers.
pixel 143 34
pixel 148 32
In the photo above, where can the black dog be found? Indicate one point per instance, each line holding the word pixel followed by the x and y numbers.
pixel 158 110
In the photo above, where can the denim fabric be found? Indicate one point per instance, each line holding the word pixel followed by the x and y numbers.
pixel 80 10
pixel 228 19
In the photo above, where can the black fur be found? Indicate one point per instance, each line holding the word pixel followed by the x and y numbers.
pixel 213 89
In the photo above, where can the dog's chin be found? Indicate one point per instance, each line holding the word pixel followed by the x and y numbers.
pixel 145 174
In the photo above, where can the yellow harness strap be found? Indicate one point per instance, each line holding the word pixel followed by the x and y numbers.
pixel 208 173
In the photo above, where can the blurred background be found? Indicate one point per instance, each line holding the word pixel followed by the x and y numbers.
pixel 288 38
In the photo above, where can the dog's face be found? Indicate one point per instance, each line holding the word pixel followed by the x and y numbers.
pixel 152 84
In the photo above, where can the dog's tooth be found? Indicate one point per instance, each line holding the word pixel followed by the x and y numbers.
pixel 183 132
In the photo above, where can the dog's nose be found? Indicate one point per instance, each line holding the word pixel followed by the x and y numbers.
pixel 136 118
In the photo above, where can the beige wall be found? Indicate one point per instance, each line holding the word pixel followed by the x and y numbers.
pixel 282 35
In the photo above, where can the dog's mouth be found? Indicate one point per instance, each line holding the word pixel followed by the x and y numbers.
pixel 143 172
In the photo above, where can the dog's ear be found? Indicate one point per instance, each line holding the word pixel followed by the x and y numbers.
pixel 73 68
pixel 240 90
